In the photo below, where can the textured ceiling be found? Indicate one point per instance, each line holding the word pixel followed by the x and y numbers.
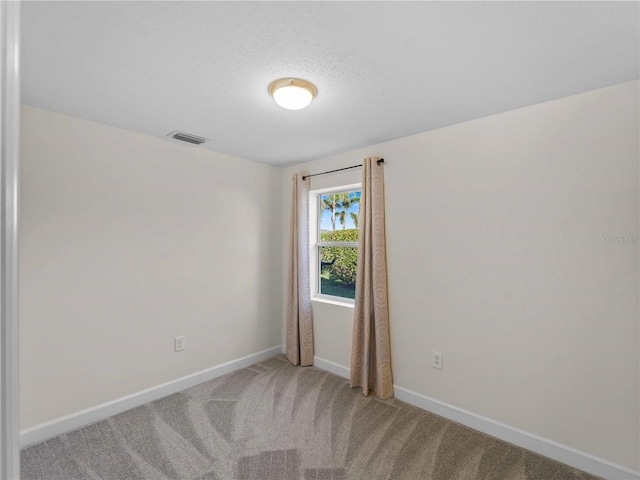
pixel 383 70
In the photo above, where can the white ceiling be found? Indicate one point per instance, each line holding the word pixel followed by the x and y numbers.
pixel 383 70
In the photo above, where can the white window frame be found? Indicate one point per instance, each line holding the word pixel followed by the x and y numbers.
pixel 315 213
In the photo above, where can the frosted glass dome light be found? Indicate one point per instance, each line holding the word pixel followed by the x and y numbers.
pixel 292 93
pixel 292 98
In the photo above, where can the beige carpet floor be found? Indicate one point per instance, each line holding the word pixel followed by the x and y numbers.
pixel 273 421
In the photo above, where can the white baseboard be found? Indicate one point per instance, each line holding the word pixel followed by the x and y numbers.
pixel 542 446
pixel 91 415
pixel 331 367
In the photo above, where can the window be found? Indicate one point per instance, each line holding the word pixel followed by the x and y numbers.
pixel 336 243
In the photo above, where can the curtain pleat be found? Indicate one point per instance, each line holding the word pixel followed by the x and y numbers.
pixel 371 347
pixel 299 315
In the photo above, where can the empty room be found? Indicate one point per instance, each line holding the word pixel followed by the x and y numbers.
pixel 320 240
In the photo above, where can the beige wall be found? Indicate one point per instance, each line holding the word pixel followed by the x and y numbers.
pixel 498 258
pixel 127 241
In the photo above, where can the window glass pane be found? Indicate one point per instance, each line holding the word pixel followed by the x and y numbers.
pixel 338 271
pixel 339 213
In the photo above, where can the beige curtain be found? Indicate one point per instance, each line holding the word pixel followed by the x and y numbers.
pixel 299 316
pixel 371 348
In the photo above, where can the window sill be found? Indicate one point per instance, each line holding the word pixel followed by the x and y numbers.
pixel 333 302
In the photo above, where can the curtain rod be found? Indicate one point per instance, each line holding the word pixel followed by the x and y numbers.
pixel 338 170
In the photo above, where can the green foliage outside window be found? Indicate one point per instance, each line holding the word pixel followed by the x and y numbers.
pixel 340 262
pixel 337 223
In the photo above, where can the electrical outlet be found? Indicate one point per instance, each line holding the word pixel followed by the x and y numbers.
pixel 436 359
pixel 178 343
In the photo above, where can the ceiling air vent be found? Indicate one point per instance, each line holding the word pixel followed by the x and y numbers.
pixel 186 138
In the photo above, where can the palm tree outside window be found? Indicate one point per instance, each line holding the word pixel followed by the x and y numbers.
pixel 337 243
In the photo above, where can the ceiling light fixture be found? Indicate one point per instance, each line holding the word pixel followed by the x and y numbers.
pixel 292 93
